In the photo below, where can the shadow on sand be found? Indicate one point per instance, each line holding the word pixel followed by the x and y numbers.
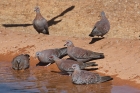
pixel 50 22
pixel 95 39
pixel 53 22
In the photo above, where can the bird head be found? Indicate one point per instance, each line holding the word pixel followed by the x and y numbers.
pixel 36 9
pixel 68 43
pixel 102 14
pixel 53 57
pixel 37 54
pixel 75 66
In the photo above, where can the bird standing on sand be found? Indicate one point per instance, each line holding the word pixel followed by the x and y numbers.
pixel 101 27
pixel 21 62
pixel 43 56
pixel 65 65
pixel 40 23
pixel 86 77
pixel 81 55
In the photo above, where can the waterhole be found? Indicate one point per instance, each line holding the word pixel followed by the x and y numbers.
pixel 43 80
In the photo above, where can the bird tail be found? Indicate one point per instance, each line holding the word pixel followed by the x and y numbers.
pixel 102 55
pixel 89 69
pixel 97 55
pixel 91 35
pixel 63 52
pixel 91 64
pixel 105 78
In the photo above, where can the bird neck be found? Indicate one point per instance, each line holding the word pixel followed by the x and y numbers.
pixel 55 58
pixel 103 17
pixel 72 45
pixel 77 69
pixel 38 15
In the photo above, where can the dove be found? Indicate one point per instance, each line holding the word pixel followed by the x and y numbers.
pixel 21 62
pixel 86 77
pixel 101 27
pixel 40 24
pixel 43 56
pixel 80 54
pixel 65 65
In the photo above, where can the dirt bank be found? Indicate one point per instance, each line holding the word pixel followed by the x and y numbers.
pixel 121 55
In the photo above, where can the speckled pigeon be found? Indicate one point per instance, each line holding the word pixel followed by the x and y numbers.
pixel 65 65
pixel 40 23
pixel 81 55
pixel 21 62
pixel 43 56
pixel 86 77
pixel 101 27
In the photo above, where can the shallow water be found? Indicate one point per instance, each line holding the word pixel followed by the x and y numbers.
pixel 43 80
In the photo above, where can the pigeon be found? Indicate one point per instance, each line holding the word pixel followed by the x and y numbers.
pixel 86 77
pixel 80 54
pixel 65 65
pixel 43 56
pixel 21 62
pixel 101 27
pixel 40 24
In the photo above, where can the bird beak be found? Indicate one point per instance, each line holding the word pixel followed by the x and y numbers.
pixel 65 44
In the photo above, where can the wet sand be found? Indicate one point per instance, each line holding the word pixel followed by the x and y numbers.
pixel 46 79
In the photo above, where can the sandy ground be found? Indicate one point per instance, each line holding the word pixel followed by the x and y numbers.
pixel 121 45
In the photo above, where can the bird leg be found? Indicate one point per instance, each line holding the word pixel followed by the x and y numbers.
pixel 48 65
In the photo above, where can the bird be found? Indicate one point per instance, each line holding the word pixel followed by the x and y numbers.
pixel 65 65
pixel 43 56
pixel 86 77
pixel 21 62
pixel 40 24
pixel 80 54
pixel 101 27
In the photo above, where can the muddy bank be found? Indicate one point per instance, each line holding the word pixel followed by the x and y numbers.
pixel 41 73
pixel 121 55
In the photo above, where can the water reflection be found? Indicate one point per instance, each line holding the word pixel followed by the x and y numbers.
pixel 124 89
pixel 21 75
pixel 95 88
pixel 42 80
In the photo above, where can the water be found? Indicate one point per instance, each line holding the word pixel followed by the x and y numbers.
pixel 42 80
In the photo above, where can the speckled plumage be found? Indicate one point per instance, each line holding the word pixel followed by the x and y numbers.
pixel 101 27
pixel 21 62
pixel 40 24
pixel 65 65
pixel 86 77
pixel 80 54
pixel 43 56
